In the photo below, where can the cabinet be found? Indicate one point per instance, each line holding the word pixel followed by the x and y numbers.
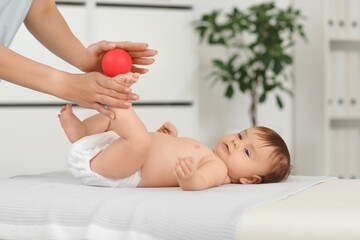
pixel 32 140
pixel 342 88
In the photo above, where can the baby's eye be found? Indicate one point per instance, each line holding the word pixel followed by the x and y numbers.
pixel 247 152
pixel 239 135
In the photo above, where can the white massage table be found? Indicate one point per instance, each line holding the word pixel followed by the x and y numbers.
pixel 329 210
pixel 57 206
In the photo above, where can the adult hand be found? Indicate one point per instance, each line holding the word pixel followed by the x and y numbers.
pixel 91 58
pixel 93 90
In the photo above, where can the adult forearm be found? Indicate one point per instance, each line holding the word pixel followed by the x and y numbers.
pixel 27 73
pixel 46 23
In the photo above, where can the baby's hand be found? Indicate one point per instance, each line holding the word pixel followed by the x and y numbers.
pixel 168 128
pixel 184 169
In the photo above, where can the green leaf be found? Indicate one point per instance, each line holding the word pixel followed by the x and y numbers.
pixel 229 91
pixel 243 86
pixel 262 98
pixel 225 79
pixel 277 67
pixel 216 39
pixel 219 64
pixel 286 58
pixel 265 59
pixel 231 60
pixel 201 30
pixel 243 79
pixel 269 87
pixel 205 17
pixel 279 101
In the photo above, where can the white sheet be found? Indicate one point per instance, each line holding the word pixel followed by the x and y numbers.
pixel 57 206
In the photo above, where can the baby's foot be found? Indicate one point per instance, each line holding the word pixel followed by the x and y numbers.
pixel 127 79
pixel 73 127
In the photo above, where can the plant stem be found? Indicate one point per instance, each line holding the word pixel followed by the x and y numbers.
pixel 253 104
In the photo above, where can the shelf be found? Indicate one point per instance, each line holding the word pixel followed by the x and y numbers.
pixel 341 82
pixel 180 4
pixel 347 43
pixel 345 39
pixel 345 122
pixel 344 117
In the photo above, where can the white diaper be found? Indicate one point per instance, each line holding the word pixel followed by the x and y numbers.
pixel 83 150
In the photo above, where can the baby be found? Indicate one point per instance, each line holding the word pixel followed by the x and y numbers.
pixel 122 153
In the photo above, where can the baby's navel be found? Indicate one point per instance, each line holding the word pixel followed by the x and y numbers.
pixel 197 146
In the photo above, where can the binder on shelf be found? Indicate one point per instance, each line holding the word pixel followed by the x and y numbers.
pixel 332 153
pixel 354 17
pixel 353 83
pixel 352 151
pixel 339 82
pixel 358 157
pixel 340 153
pixel 341 26
pixel 331 85
pixel 332 22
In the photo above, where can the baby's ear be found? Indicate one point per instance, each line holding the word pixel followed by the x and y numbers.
pixel 250 180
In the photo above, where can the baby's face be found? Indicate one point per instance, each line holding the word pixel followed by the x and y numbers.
pixel 244 154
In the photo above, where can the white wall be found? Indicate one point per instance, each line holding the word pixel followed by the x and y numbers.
pixel 301 122
pixel 309 92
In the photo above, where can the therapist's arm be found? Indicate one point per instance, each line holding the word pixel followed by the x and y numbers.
pixel 89 90
pixel 48 26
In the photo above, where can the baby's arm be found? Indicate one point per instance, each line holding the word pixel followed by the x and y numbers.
pixel 211 174
pixel 168 128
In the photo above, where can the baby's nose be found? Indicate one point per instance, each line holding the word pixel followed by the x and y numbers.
pixel 236 143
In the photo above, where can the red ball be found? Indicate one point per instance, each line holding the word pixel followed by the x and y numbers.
pixel 115 62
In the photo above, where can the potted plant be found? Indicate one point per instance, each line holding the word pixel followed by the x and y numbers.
pixel 259 41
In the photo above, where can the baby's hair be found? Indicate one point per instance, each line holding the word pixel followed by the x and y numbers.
pixel 280 157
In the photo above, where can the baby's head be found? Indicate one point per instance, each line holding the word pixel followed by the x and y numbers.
pixel 255 155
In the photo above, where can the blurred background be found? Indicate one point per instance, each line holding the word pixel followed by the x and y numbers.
pixel 319 121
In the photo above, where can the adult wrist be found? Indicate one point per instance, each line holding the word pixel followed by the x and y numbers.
pixel 80 55
pixel 62 85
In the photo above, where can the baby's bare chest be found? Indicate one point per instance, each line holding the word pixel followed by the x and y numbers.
pixel 165 150
pixel 164 153
pixel 169 148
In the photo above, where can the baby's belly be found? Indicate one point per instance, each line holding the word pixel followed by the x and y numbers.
pixel 157 170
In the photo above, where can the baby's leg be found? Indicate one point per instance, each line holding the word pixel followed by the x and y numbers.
pixel 126 155
pixel 76 129
pixel 73 127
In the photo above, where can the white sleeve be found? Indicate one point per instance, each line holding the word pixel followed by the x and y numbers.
pixel 12 15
